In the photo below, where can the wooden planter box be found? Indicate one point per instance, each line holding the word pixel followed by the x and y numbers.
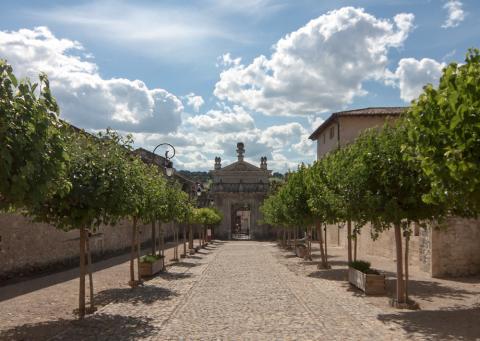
pixel 371 284
pixel 300 251
pixel 150 269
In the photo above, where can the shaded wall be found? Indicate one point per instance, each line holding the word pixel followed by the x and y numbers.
pixel 452 250
pixel 26 247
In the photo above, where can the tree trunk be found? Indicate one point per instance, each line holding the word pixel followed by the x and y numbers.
pixel 407 240
pixel 139 244
pixel 349 240
pixel 184 240
pixel 400 282
pixel 154 239
pixel 295 231
pixel 89 271
pixel 284 241
pixel 81 295
pixel 338 235
pixel 309 242
pixel 162 239
pixel 190 236
pixel 132 254
pixel 320 242
pixel 355 236
pixel 326 250
pixel 175 238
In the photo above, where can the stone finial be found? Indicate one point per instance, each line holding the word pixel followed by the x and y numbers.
pixel 218 162
pixel 263 162
pixel 240 151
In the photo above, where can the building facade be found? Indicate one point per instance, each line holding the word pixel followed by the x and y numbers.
pixel 238 190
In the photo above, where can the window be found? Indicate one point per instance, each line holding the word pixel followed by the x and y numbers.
pixel 323 138
pixel 332 132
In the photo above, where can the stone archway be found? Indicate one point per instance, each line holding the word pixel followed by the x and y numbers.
pixel 241 221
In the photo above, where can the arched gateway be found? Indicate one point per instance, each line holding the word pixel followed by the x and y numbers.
pixel 238 191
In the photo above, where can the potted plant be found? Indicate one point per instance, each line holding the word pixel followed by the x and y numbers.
pixel 363 277
pixel 151 264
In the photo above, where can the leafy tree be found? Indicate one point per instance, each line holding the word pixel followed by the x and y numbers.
pixel 444 136
pixel 347 181
pixel 394 188
pixel 323 199
pixel 97 171
pixel 32 141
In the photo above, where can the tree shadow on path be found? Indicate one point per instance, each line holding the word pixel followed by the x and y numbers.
pixel 429 290
pixel 172 276
pixel 146 294
pixel 186 264
pixel 456 323
pixel 331 274
pixel 94 327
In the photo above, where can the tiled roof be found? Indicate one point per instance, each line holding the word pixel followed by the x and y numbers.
pixel 357 112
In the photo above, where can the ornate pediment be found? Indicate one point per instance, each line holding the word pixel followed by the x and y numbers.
pixel 241 166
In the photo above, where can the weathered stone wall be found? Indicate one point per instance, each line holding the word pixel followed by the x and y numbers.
pixel 425 250
pixel 451 251
pixel 26 246
pixel 383 246
pixel 456 248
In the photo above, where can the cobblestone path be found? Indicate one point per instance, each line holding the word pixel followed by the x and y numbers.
pixel 233 291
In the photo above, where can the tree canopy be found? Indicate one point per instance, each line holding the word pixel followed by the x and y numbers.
pixel 32 141
pixel 444 135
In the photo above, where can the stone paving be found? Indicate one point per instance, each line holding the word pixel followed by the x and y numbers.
pixel 229 291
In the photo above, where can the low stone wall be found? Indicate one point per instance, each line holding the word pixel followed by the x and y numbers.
pixel 27 247
pixel 456 248
pixel 453 250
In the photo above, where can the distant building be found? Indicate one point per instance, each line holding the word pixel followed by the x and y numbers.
pixel 343 127
pixel 238 190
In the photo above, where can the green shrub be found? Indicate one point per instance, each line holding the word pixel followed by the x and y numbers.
pixel 363 266
pixel 150 258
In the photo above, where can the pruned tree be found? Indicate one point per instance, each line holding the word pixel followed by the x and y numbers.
pixel 96 172
pixel 394 188
pixel 33 153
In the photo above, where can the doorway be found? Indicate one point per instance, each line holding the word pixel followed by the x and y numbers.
pixel 241 222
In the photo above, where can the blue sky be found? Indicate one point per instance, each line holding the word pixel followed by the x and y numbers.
pixel 206 74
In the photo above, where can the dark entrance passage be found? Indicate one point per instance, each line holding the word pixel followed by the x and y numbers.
pixel 241 222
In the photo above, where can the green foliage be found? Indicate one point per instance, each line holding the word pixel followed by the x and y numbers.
pixel 32 141
pixel 206 216
pixel 150 258
pixel 394 186
pixel 102 185
pixel 273 210
pixel 323 196
pixel 444 136
pixel 363 266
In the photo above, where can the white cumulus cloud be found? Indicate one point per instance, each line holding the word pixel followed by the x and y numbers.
pixel 194 101
pixel 412 75
pixel 222 121
pixel 86 99
pixel 455 13
pixel 319 67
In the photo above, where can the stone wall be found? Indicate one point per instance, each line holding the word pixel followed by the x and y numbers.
pixel 453 250
pixel 456 248
pixel 27 247
pixel 383 246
